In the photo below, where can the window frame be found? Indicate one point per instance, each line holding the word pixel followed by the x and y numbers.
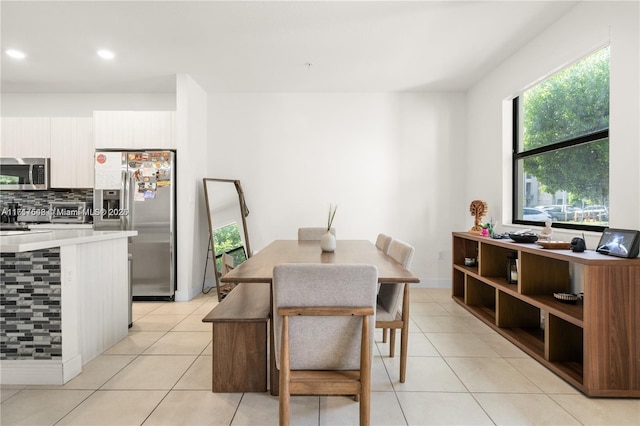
pixel 516 155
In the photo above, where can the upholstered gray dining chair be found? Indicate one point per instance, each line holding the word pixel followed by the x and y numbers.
pixel 392 311
pixel 383 242
pixel 323 331
pixel 313 233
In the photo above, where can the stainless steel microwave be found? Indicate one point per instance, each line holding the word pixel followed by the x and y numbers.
pixel 30 174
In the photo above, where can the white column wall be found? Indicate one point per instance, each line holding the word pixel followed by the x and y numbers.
pixel 191 158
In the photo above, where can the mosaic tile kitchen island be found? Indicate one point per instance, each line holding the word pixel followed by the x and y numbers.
pixel 64 300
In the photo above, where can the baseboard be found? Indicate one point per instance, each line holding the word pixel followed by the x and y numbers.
pixel 39 372
pixel 26 372
pixel 71 368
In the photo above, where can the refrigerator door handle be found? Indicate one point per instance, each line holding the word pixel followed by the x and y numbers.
pixel 126 203
pixel 172 264
pixel 98 204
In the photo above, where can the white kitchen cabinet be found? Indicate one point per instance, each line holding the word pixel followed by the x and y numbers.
pixel 26 137
pixel 153 129
pixel 113 129
pixel 72 152
pixel 134 129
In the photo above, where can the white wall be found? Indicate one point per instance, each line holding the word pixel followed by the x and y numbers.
pixel 385 159
pixel 191 167
pixel 585 28
pixel 82 104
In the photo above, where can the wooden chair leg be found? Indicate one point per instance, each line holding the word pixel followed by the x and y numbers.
pixel 392 342
pixel 384 335
pixel 365 408
pixel 404 343
pixel 365 374
pixel 404 336
pixel 285 374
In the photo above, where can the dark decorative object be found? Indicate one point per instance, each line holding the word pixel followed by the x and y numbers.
pixel 512 269
pixel 523 237
pixel 578 245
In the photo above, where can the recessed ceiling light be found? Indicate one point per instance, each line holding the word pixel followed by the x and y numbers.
pixel 106 54
pixel 16 54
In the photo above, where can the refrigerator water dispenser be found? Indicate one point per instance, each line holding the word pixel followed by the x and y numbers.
pixel 111 204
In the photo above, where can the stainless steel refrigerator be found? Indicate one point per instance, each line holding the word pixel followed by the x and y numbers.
pixel 135 190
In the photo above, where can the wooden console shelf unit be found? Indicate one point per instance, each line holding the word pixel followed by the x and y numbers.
pixel 594 345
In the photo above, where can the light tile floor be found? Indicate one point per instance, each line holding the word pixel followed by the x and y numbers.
pixel 459 372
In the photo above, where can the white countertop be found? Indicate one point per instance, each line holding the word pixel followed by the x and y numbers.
pixel 41 239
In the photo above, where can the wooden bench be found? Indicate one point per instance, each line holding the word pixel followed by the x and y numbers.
pixel 239 324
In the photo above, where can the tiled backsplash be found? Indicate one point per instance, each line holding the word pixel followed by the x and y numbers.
pixel 39 200
pixel 31 305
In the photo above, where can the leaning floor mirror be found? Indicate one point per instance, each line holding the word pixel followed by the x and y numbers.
pixel 228 235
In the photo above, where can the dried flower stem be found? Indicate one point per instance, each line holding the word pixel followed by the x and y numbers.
pixel 332 214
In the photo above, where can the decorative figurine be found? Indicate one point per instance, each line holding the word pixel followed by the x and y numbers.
pixel 545 234
pixel 478 209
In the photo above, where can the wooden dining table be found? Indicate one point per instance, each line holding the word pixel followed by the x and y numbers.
pixel 259 269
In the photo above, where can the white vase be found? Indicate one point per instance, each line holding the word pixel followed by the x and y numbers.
pixel 328 242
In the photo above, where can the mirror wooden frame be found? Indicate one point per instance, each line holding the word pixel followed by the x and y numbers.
pixel 244 212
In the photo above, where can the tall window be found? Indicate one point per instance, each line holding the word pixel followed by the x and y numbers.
pixel 561 148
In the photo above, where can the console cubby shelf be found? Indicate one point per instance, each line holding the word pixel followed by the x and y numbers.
pixel 594 345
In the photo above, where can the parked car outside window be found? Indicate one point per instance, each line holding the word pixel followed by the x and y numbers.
pixel 536 215
pixel 596 213
pixel 563 213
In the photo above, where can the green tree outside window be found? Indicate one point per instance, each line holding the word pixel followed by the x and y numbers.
pixel 564 141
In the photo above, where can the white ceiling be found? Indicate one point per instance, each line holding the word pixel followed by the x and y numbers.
pixel 264 46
